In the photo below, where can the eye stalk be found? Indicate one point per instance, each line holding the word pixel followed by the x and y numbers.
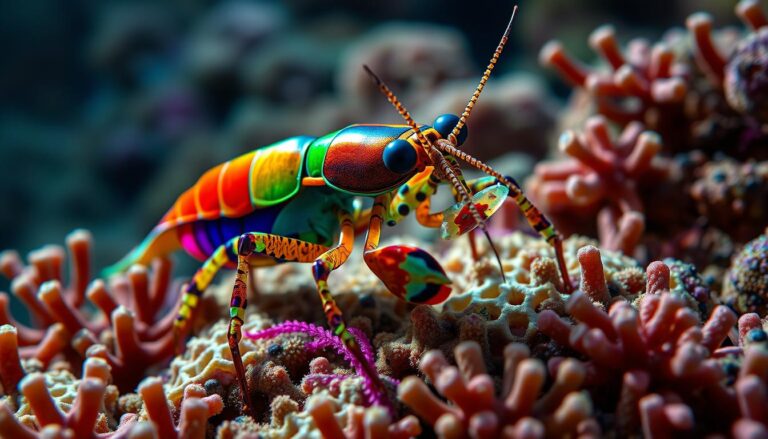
pixel 399 156
pixel 444 125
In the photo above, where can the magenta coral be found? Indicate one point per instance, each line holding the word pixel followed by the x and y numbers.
pixel 323 338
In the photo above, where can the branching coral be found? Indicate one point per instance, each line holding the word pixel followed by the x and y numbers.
pixel 737 69
pixel 192 418
pixel 130 332
pixel 518 411
pixel 373 422
pixel 705 96
pixel 663 359
pixel 602 176
pixel 690 104
pixel 645 84
pixel 739 74
pixel 55 404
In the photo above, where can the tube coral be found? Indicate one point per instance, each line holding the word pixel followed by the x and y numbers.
pixel 603 176
pixel 128 331
pixel 521 408
pixel 658 352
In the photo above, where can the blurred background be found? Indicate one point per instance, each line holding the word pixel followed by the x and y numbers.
pixel 109 110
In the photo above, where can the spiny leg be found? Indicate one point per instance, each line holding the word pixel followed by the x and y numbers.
pixel 321 270
pixel 279 247
pixel 238 303
pixel 195 288
pixel 535 218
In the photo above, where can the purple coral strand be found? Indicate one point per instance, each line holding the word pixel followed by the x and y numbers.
pixel 326 339
pixel 365 345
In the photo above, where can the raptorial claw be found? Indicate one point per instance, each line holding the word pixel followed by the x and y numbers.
pixel 458 219
pixel 410 273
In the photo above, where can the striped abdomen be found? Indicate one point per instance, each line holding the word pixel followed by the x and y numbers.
pixel 252 182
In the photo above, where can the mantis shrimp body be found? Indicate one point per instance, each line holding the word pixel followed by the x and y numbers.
pixel 294 201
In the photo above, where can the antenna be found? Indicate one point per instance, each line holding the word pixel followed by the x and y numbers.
pixel 471 104
pixel 438 160
pixel 400 109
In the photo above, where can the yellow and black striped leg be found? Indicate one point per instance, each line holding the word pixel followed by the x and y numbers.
pixel 322 268
pixel 237 305
pixel 285 249
pixel 195 288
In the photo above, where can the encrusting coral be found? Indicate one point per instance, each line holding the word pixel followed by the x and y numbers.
pixel 745 286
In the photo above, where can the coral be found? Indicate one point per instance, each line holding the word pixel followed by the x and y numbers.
pixel 492 313
pixel 663 359
pixel 128 330
pixel 684 281
pixel 645 84
pixel 665 145
pixel 603 177
pixel 207 357
pixel 519 409
pixel 192 417
pixel 745 76
pixel 745 288
pixel 56 404
pixel 702 93
pixel 691 104
pixel 369 422
pixel 324 338
pixel 733 196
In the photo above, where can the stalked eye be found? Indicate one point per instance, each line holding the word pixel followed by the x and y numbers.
pixel 399 156
pixel 444 125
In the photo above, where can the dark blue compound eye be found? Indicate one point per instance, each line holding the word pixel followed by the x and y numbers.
pixel 444 125
pixel 399 156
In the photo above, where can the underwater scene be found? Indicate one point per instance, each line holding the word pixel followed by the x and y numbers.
pixel 263 219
